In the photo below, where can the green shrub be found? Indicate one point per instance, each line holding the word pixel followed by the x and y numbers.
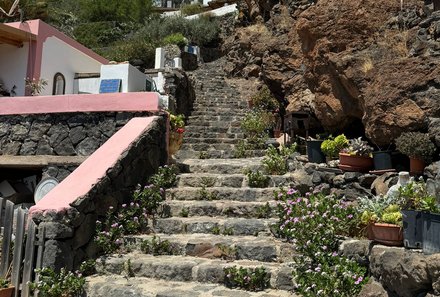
pixel 257 179
pixel 157 247
pixel 275 161
pixel 318 270
pixel 416 145
pixel 190 9
pixel 264 100
pixel 177 39
pixel 62 284
pixel 251 279
pixel 332 146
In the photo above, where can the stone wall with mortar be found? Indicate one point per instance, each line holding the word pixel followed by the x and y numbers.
pixel 63 134
pixel 69 231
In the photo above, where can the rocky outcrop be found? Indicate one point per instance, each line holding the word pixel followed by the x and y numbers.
pixel 351 63
pixel 395 271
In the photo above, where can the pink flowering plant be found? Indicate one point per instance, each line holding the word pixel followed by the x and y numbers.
pixel 315 223
pixel 132 217
pixel 251 279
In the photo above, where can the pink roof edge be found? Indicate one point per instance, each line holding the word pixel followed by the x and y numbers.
pixel 43 30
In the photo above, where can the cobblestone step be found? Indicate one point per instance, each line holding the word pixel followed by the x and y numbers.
pixel 227 180
pixel 222 166
pixel 210 140
pixel 217 208
pixel 211 152
pixel 215 118
pixel 264 249
pixel 205 129
pixel 215 123
pixel 214 225
pixel 188 269
pixel 119 286
pixel 207 134
pixel 222 193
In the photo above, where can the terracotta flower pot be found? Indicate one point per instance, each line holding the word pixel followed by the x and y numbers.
pixel 387 234
pixel 175 142
pixel 416 166
pixel 349 162
pixel 7 292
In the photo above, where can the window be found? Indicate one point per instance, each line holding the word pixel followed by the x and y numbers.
pixel 59 84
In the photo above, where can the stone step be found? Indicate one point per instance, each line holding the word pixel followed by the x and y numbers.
pixel 208 146
pixel 214 225
pixel 220 104
pixel 213 135
pixel 215 118
pixel 210 140
pixel 214 123
pixel 200 110
pixel 119 286
pixel 219 208
pixel 227 180
pixel 222 193
pixel 188 269
pixel 205 129
pixel 264 249
pixel 222 166
pixel 214 153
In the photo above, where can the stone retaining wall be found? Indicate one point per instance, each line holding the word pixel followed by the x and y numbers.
pixel 63 134
pixel 107 178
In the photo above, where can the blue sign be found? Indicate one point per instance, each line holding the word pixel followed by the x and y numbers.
pixel 110 86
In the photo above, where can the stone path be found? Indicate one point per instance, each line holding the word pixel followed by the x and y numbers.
pixel 212 218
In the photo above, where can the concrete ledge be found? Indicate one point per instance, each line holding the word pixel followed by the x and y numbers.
pixel 39 161
pixel 92 170
pixel 140 101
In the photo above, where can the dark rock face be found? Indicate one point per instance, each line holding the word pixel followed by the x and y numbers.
pixel 346 62
pixel 70 233
pixel 69 134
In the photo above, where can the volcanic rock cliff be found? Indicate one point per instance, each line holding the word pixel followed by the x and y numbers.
pixel 368 64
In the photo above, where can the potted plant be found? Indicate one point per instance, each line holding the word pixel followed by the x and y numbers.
pixel 333 145
pixel 6 289
pixel 416 201
pixel 382 219
pixel 357 156
pixel 177 125
pixel 418 147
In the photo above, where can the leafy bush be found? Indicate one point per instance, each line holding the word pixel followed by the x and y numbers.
pixel 166 177
pixel 414 195
pixel 265 100
pixel 252 279
pixel 132 49
pixel 257 179
pixel 156 247
pixel 416 145
pixel 319 271
pixel 333 145
pixel 190 9
pixel 63 284
pixel 177 39
pixel 275 161
pixel 337 276
pixel 132 218
pixel 88 267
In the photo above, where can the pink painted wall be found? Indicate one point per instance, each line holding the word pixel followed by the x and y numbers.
pixel 83 179
pixel 142 101
pixel 43 31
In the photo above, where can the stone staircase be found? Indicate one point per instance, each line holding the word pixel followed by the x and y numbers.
pixel 212 219
pixel 213 129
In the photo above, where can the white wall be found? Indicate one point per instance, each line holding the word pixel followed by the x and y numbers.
pixel 13 67
pixel 61 57
pixel 86 85
pixel 132 79
pixel 215 12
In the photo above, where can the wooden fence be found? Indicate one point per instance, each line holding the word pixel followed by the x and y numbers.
pixel 22 247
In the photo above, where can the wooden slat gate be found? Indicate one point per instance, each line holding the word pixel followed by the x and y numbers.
pixel 24 244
